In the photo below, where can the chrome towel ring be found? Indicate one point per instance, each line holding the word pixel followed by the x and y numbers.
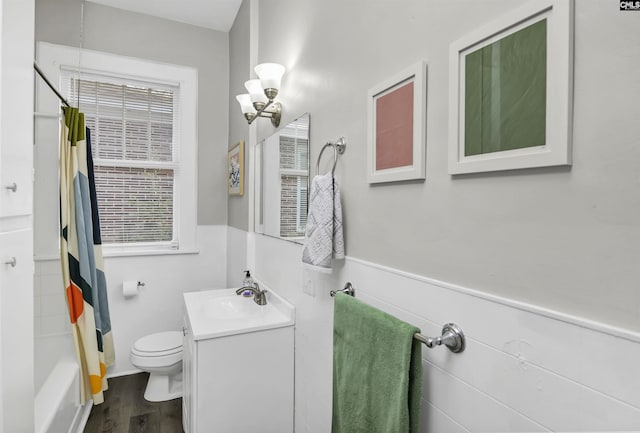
pixel 339 147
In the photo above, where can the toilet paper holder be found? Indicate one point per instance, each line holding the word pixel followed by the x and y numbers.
pixel 130 288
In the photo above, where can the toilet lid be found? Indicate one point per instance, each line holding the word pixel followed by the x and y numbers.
pixel 159 342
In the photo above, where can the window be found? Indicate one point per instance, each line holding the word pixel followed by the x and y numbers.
pixel 135 155
pixel 142 117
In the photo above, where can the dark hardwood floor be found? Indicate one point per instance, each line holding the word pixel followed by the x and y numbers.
pixel 126 411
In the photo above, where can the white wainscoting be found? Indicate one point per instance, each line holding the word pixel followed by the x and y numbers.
pixel 524 369
pixel 158 305
pixel 236 256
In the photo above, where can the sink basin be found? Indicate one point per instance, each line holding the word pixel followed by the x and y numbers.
pixel 230 307
pixel 220 312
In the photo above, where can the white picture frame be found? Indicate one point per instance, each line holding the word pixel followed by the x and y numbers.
pixel 556 149
pixel 415 168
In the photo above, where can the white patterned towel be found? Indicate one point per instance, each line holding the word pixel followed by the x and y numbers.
pixel 323 234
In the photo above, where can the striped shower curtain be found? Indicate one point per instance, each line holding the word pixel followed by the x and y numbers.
pixel 81 254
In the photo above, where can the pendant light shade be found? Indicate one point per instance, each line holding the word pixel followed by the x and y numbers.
pixel 258 98
pixel 270 75
pixel 245 104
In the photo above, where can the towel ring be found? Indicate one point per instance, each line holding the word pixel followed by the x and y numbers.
pixel 339 147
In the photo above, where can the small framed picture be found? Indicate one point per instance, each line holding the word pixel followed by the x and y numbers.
pixel 510 94
pixel 235 163
pixel 396 131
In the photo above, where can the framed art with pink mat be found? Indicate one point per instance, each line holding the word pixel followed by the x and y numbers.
pixel 396 134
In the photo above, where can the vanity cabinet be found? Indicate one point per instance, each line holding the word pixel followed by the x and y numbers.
pixel 238 383
pixel 188 347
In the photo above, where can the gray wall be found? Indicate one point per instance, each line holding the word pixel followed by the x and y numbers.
pixel 562 238
pixel 131 34
pixel 239 72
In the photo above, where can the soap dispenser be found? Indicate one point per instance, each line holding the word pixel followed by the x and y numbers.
pixel 247 282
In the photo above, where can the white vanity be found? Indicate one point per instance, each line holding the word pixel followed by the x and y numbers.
pixel 238 363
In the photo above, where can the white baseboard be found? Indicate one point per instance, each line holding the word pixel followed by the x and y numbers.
pixel 80 420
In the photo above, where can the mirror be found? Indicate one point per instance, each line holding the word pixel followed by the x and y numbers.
pixel 282 181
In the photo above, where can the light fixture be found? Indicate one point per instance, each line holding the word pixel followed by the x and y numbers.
pixel 261 94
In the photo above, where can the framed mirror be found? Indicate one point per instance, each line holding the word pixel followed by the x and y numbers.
pixel 282 181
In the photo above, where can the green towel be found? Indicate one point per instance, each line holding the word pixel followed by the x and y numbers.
pixel 377 371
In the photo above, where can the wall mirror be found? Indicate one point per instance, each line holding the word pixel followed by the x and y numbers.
pixel 282 181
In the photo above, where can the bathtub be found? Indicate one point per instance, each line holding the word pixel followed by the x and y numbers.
pixel 57 407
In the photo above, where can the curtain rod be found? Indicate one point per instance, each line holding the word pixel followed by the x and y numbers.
pixel 51 86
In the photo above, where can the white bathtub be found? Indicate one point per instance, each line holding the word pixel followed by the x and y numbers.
pixel 57 402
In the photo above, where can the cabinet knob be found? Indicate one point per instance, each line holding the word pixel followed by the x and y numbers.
pixel 11 262
pixel 13 187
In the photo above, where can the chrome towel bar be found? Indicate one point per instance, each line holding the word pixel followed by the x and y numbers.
pixel 348 290
pixel 452 335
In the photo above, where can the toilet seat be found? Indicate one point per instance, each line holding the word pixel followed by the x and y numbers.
pixel 156 354
pixel 158 344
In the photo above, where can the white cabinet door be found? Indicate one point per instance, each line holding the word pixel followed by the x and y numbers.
pixel 16 108
pixel 16 192
pixel 16 330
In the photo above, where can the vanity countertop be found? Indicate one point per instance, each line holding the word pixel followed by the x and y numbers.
pixel 220 312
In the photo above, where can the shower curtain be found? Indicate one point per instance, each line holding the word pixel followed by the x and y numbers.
pixel 81 255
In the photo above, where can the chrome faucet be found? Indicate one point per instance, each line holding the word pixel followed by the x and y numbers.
pixel 258 295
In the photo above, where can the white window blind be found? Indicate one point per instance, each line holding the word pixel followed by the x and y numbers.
pixel 294 177
pixel 135 146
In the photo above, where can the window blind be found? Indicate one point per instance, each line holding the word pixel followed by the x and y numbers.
pixel 294 161
pixel 134 145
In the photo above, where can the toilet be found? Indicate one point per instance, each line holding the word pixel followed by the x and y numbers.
pixel 160 354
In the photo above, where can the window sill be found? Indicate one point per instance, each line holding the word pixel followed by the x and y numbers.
pixel 122 253
pixel 150 252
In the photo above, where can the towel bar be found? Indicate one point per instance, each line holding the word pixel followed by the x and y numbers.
pixel 452 335
pixel 348 290
pixel 339 147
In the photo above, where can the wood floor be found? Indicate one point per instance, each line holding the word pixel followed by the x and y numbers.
pixel 126 411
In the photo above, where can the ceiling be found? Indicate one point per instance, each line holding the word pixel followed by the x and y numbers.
pixel 213 14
